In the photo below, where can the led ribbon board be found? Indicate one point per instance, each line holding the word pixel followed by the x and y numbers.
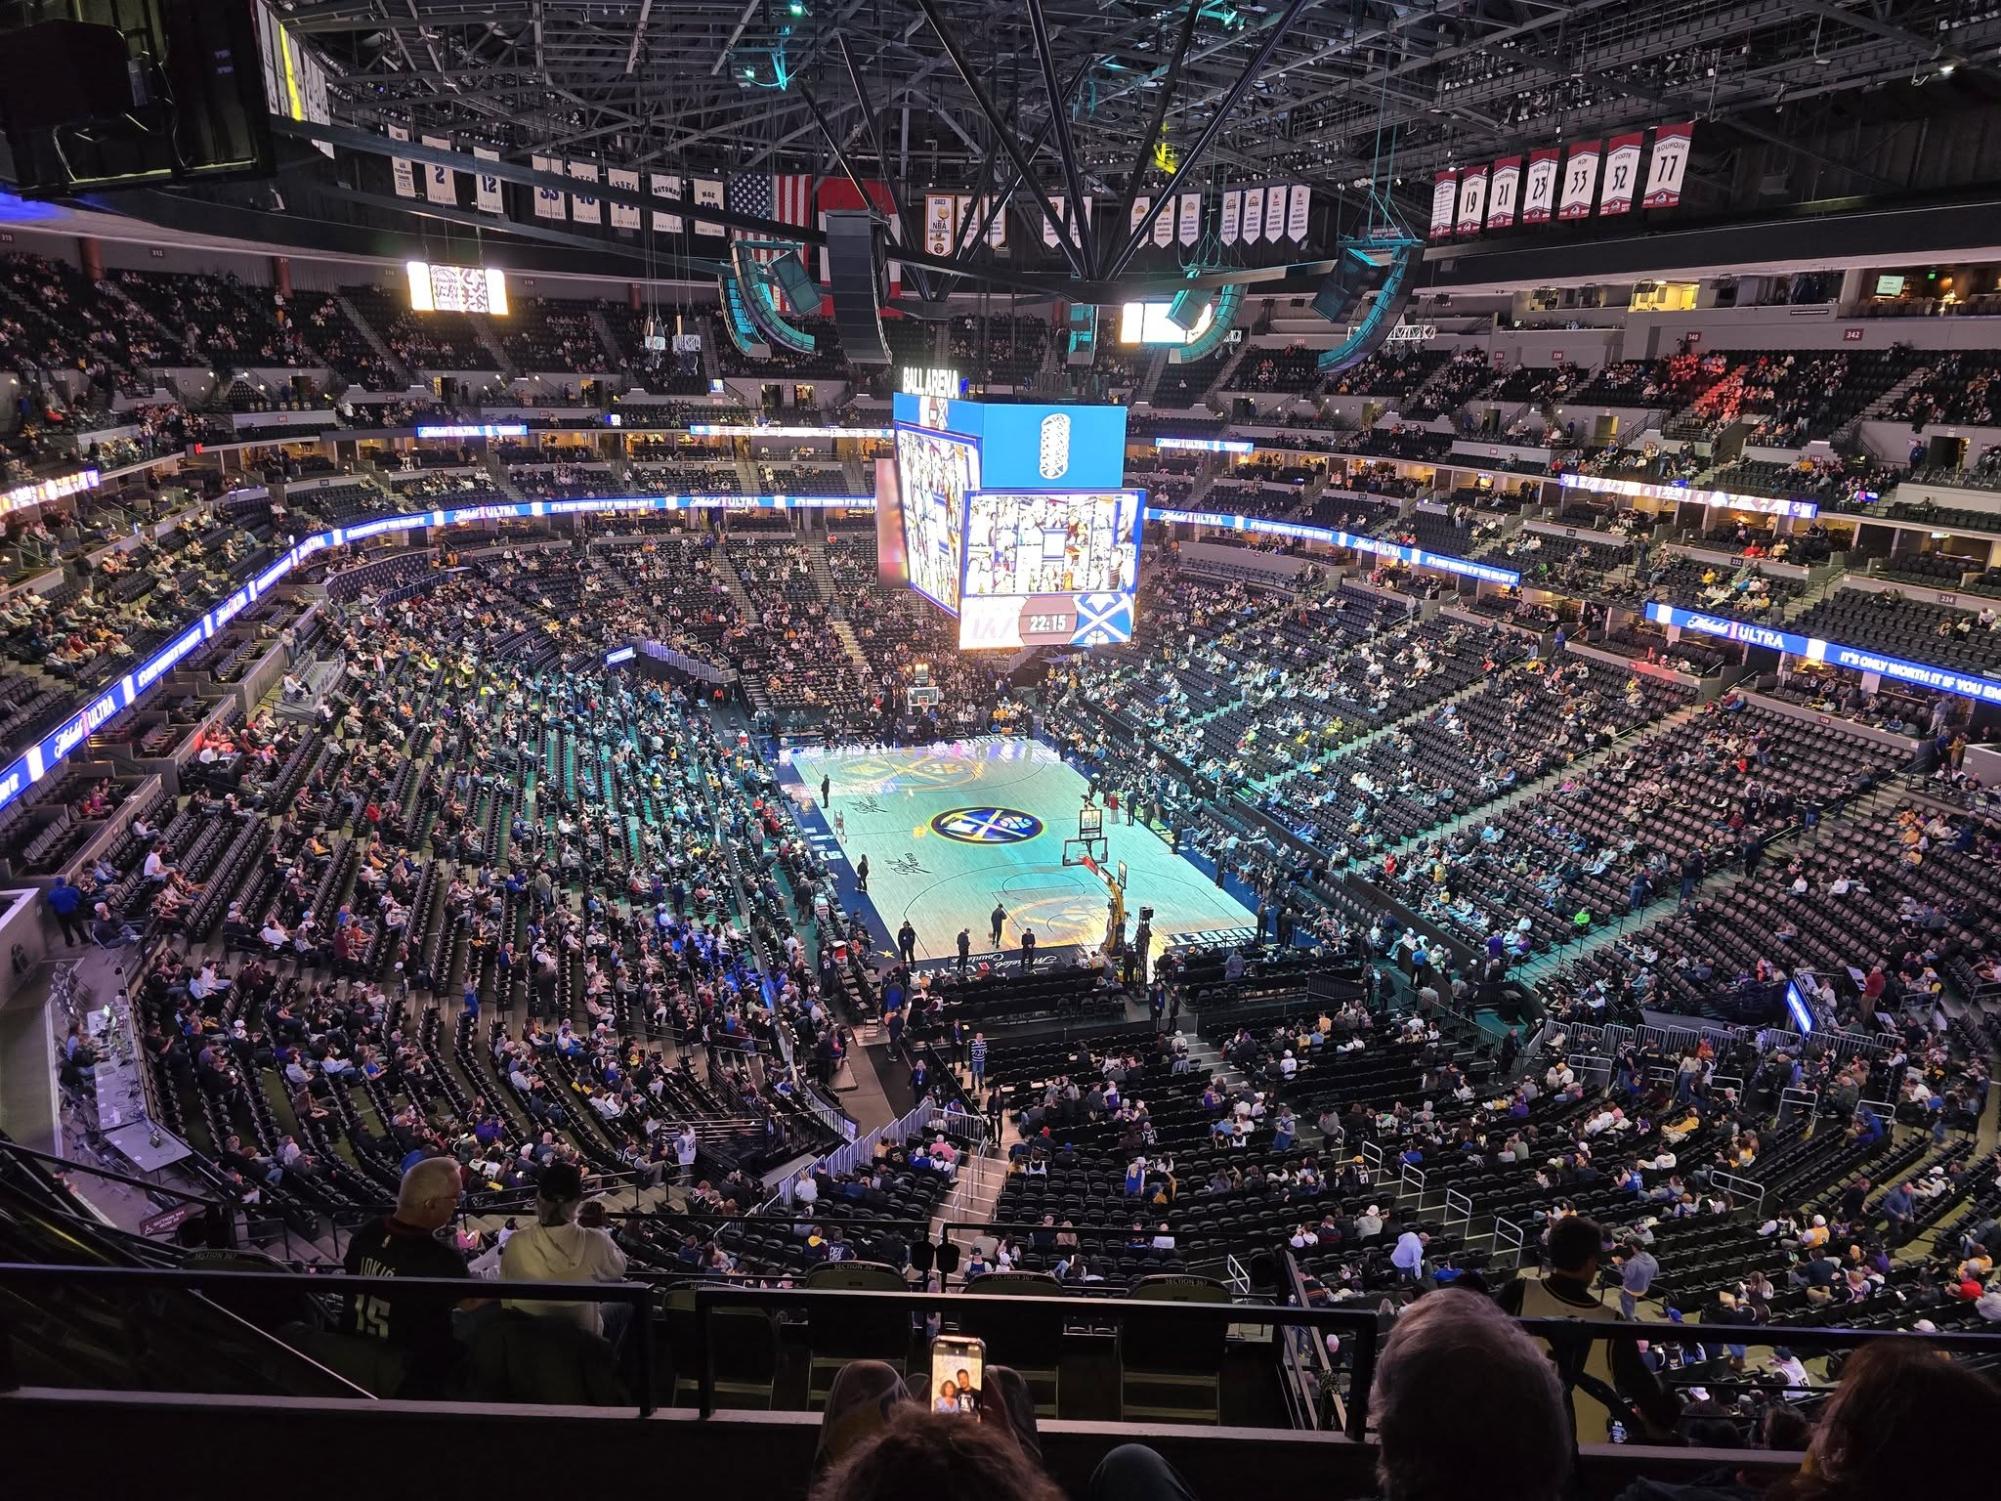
pixel 1208 445
pixel 1831 653
pixel 45 490
pixel 1415 557
pixel 1764 505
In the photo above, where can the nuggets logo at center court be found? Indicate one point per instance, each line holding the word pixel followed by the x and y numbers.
pixel 1054 460
pixel 986 825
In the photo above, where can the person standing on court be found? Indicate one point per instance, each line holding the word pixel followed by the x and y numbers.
pixel 861 875
pixel 999 917
pixel 965 950
pixel 906 942
pixel 1027 950
pixel 826 788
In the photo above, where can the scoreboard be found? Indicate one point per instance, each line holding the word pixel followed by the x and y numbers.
pixel 1015 518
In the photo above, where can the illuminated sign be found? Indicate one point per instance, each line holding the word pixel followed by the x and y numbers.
pixel 923 380
pixel 476 430
pixel 1208 445
pixel 1415 557
pixel 456 289
pixel 745 430
pixel 45 490
pixel 1411 333
pixel 1764 505
pixel 1829 653
pixel 623 654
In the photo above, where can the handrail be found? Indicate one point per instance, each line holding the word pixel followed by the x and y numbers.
pixel 1309 1352
pixel 1357 1324
pixel 638 1296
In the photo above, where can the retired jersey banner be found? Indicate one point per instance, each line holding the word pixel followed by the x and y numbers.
pixel 1504 192
pixel 1298 212
pixel 1580 181
pixel 441 183
pixel 1233 204
pixel 665 185
pixel 1051 234
pixel 486 186
pixel 550 203
pixel 623 215
pixel 1539 185
pixel 1669 166
pixel 1444 196
pixel 1622 173
pixel 584 206
pixel 1472 201
pixel 708 194
pixel 1275 213
pixel 400 168
pixel 1254 215
pixel 1189 228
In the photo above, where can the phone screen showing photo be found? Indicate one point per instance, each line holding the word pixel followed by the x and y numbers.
pixel 958 1369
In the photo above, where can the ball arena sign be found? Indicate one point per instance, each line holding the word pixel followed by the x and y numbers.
pixel 986 825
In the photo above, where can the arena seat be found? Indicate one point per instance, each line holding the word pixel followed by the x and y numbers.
pixel 865 1331
pixel 1168 1368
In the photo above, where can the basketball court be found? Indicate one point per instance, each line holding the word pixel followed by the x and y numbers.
pixel 951 828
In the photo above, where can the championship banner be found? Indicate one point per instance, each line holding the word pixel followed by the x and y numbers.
pixel 1298 212
pixel 1189 228
pixel 665 185
pixel 623 215
pixel 584 208
pixel 1539 185
pixel 1163 227
pixel 1503 192
pixel 486 186
pixel 406 177
pixel 1050 237
pixel 708 194
pixel 1622 173
pixel 1275 212
pixel 1254 215
pixel 997 225
pixel 938 223
pixel 1472 200
pixel 1444 195
pixel 963 222
pixel 1233 203
pixel 441 183
pixel 549 202
pixel 1141 203
pixel 1669 166
pixel 1580 181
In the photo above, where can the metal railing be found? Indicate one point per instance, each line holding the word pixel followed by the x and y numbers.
pixel 1360 1334
pixel 1357 1327
pixel 115 1279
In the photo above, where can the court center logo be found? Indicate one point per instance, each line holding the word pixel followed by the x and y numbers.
pixel 986 825
pixel 1054 459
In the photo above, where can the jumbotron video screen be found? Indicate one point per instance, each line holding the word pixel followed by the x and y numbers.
pixel 1050 568
pixel 935 474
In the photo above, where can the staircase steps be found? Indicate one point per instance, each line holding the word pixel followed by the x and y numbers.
pixel 367 330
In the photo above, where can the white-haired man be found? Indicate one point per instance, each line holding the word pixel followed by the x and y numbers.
pixel 405 1244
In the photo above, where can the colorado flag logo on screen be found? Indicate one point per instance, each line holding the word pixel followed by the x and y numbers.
pixel 1055 455
pixel 1103 619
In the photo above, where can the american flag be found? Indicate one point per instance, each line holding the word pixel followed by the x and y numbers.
pixel 785 196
